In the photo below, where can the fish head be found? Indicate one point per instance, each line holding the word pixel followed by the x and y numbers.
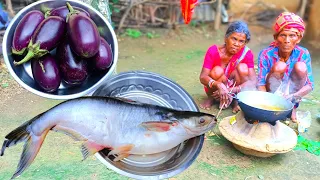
pixel 197 123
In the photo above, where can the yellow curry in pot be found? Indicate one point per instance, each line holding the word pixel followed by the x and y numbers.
pixel 268 107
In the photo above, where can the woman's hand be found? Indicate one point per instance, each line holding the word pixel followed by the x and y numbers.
pixel 293 98
pixel 288 96
pixel 216 95
pixel 225 99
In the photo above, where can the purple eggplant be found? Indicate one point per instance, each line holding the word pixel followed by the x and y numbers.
pixel 23 32
pixel 46 73
pixel 103 59
pixel 83 34
pixel 72 67
pixel 63 11
pixel 46 37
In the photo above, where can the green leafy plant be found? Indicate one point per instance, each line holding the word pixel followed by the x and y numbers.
pixel 311 146
pixel 134 33
pixel 152 35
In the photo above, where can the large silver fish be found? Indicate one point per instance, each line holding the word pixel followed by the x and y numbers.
pixel 122 126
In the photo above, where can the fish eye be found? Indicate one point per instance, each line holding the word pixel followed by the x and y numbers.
pixel 202 120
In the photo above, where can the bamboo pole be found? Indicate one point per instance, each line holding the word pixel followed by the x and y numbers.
pixel 303 8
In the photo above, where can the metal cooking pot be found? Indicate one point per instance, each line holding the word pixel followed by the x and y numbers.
pixel 263 106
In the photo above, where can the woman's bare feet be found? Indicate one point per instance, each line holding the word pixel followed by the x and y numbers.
pixel 207 104
pixel 235 106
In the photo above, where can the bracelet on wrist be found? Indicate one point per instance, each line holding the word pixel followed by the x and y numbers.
pixel 210 83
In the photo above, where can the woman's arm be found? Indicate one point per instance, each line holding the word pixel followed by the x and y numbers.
pixel 309 85
pixel 302 92
pixel 208 64
pixel 204 76
pixel 306 89
pixel 263 70
pixel 209 82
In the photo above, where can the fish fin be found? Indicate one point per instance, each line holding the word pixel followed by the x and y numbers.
pixel 20 134
pixel 157 126
pixel 121 156
pixel 105 151
pixel 30 151
pixel 31 147
pixel 73 134
pixel 125 99
pixel 130 101
pixel 89 148
pixel 4 145
pixel 121 152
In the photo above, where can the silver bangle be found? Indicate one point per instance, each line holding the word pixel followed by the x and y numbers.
pixel 211 82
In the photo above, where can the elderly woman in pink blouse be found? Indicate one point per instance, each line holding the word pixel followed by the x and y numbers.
pixel 228 67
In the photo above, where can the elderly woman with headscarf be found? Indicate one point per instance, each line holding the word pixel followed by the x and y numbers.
pixel 285 67
pixel 228 68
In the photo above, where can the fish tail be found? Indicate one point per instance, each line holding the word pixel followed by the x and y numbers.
pixel 31 146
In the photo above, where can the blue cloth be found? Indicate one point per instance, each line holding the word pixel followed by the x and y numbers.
pixel 4 18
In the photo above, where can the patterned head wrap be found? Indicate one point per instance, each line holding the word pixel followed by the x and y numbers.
pixel 289 21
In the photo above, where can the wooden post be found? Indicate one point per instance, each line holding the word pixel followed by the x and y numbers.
pixel 302 9
pixel 217 18
pixel 313 27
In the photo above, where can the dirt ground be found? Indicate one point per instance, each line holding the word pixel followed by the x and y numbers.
pixel 178 55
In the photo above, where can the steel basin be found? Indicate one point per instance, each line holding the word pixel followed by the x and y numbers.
pixel 152 88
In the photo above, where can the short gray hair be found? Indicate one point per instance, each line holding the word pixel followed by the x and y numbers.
pixel 239 27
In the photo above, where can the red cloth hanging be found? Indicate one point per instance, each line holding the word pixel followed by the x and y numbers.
pixel 187 8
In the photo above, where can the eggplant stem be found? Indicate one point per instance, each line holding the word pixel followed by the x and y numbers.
pixel 47 14
pixel 25 59
pixel 45 9
pixel 14 51
pixel 34 51
pixel 71 11
pixel 70 7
